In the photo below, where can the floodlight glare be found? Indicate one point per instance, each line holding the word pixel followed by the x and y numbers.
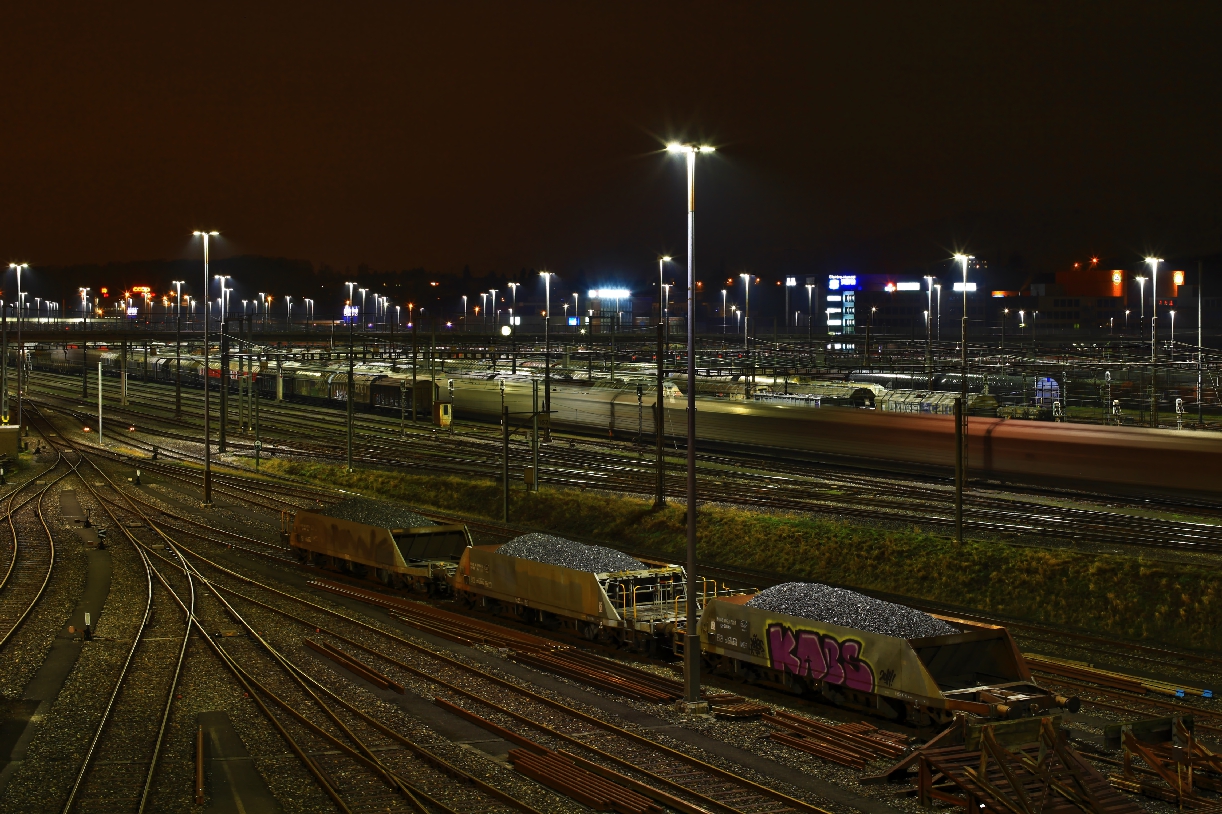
pixel 506 330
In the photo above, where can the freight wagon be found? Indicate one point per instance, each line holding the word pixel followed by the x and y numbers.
pixel 922 681
pixel 641 610
pixel 422 559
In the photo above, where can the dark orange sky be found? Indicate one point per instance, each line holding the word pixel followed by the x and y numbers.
pixel 503 135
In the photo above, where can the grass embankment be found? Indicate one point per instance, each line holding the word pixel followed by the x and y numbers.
pixel 1125 596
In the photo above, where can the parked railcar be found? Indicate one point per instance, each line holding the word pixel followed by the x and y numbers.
pixel 921 681
pixel 641 610
pixel 421 559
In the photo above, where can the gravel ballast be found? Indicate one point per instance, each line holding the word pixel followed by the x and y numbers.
pixel 375 513
pixel 840 606
pixel 553 550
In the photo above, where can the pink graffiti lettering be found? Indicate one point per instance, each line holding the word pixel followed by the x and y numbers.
pixel 835 673
pixel 781 645
pixel 857 676
pixel 819 657
pixel 810 655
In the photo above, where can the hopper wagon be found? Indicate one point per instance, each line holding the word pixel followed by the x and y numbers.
pixel 420 559
pixel 640 609
pixel 926 681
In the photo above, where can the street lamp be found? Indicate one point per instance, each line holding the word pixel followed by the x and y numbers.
pixel 961 429
pixel 810 291
pixel 790 282
pixel 496 315
pixel 483 304
pixel 1172 313
pixel 207 389
pixel 1153 261
pixel 691 645
pixel 937 314
pixel 547 352
pixel 19 267
pixel 723 310
pixel 514 288
pixel 464 312
pixel 222 278
pixel 576 311
pixel 1126 319
pixel 1141 298
pixel 662 261
pixel 746 307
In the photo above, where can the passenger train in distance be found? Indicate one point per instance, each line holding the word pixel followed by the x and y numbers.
pixel 1126 460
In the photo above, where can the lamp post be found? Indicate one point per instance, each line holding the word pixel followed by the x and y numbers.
pixel 1126 319
pixel 663 303
pixel 723 311
pixel 937 314
pixel 513 287
pixel 547 358
pixel 1172 313
pixel 576 312
pixel 1005 313
pixel 746 307
pixel 790 282
pixel 810 314
pixel 1153 262
pixel 20 356
pixel 1141 299
pixel 207 388
pixel 222 278
pixel 961 412
pixel 691 645
pixel 464 312
pixel 496 312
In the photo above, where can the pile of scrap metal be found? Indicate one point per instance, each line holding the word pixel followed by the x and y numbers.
pixel 1176 767
pixel 1010 767
pixel 849 744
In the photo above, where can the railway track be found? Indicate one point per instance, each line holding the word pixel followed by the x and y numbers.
pixel 539 714
pixel 118 766
pixel 361 764
pixel 552 727
pixel 30 551
pixel 869 498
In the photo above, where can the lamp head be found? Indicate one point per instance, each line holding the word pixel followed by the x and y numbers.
pixel 666 258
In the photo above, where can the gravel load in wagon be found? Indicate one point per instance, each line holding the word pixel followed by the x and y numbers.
pixel 548 548
pixel 375 513
pixel 839 606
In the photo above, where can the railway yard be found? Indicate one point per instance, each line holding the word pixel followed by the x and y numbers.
pixel 156 655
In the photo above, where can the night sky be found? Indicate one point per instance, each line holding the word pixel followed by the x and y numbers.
pixel 854 136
